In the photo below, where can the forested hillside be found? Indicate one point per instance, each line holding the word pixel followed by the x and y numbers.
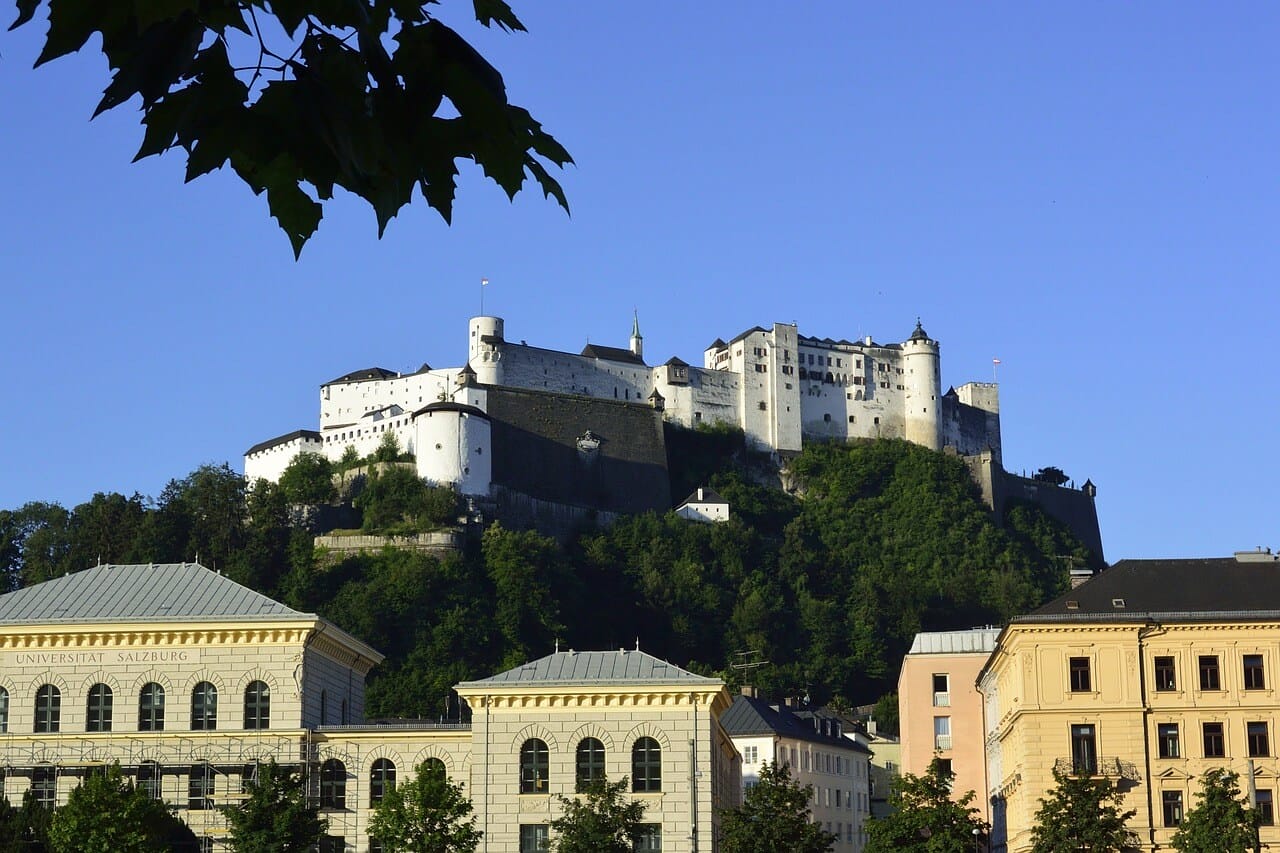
pixel 886 539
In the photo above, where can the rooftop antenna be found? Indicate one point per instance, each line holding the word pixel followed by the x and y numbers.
pixel 483 283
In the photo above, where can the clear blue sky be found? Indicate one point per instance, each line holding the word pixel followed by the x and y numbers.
pixel 1089 192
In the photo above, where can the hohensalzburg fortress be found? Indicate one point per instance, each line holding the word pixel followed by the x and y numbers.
pixel 779 386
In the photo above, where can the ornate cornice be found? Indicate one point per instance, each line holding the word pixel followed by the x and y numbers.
pixel 570 697
pixel 65 637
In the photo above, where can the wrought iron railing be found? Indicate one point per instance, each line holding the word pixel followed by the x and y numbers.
pixel 1102 765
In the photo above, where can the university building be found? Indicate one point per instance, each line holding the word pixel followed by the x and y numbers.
pixel 189 680
pixel 1151 673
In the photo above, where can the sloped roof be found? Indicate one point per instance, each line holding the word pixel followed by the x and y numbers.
pixel 752 716
pixel 367 373
pixel 709 496
pixel 149 592
pixel 283 439
pixel 611 354
pixel 623 666
pixel 449 406
pixel 1171 590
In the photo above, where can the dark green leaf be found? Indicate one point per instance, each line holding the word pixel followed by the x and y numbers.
pixel 26 11
pixel 297 214
pixel 148 12
pixel 71 22
pixel 497 11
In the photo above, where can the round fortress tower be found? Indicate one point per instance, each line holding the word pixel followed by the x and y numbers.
pixel 484 349
pixel 454 447
pixel 924 389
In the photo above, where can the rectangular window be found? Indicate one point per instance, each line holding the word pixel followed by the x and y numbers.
pixel 1259 746
pixel 1215 741
pixel 1209 679
pixel 1172 802
pixel 533 838
pixel 941 732
pixel 1080 675
pixel 1253 675
pixel 1166 677
pixel 1167 740
pixel 941 690
pixel 749 754
pixel 333 844
pixel 1266 810
pixel 1084 749
pixel 649 839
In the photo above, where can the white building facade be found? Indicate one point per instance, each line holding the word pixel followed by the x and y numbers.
pixel 816 753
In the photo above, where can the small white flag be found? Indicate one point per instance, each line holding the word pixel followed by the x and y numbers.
pixel 995 361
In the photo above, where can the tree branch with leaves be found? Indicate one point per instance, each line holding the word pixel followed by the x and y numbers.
pixel 377 97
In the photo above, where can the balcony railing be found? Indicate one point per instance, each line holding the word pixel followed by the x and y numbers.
pixel 1103 765
pixel 942 741
pixel 941 699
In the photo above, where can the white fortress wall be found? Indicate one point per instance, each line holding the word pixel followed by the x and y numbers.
pixel 547 370
pixel 270 462
pixel 708 396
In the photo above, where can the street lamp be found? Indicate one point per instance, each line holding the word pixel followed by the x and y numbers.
pixel 977 840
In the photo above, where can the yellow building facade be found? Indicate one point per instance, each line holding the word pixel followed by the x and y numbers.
pixel 1152 673
pixel 188 680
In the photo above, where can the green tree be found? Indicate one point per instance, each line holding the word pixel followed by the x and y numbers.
pixel 1081 813
pixel 1221 822
pixel 34 819
pixel 885 714
pixel 774 815
pixel 308 479
pixel 599 820
pixel 276 817
pixel 925 817
pixel 107 814
pixel 376 97
pixel 1052 475
pixel 429 814
pixel 397 500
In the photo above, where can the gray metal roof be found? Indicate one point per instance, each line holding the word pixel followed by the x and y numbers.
pixel 972 641
pixel 617 667
pixel 158 591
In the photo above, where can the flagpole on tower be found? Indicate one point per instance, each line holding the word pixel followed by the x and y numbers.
pixel 483 282
pixel 995 366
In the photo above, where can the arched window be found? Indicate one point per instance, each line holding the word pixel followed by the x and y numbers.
pixel 646 765
pixel 535 764
pixel 435 766
pixel 97 716
pixel 200 787
pixel 590 763
pixel 382 780
pixel 149 779
pixel 4 710
pixel 333 784
pixel 204 707
pixel 151 708
pixel 44 785
pixel 48 709
pixel 257 706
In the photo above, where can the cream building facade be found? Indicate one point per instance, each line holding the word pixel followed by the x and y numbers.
pixel 940 709
pixel 1152 673
pixel 188 680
